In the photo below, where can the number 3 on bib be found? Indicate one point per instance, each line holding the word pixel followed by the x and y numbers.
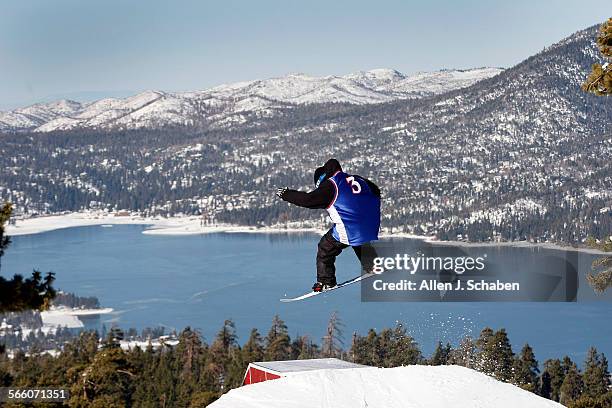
pixel 355 186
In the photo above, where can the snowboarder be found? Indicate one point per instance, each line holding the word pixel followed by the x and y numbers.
pixel 353 204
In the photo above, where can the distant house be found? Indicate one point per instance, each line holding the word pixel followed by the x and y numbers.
pixel 271 370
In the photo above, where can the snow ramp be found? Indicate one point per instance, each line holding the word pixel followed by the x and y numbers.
pixel 400 387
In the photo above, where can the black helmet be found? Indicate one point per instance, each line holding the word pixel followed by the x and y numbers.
pixel 326 171
pixel 332 166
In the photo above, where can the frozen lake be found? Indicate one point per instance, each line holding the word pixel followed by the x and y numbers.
pixel 201 280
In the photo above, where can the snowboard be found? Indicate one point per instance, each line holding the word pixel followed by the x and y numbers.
pixel 338 286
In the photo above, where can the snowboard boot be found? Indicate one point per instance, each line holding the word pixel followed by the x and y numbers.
pixel 322 287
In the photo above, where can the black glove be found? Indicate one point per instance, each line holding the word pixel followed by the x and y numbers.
pixel 280 191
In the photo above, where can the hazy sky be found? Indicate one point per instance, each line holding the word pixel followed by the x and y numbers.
pixel 91 48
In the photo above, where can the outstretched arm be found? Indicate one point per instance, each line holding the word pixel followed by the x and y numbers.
pixel 322 197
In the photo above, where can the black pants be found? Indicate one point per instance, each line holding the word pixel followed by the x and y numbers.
pixel 328 249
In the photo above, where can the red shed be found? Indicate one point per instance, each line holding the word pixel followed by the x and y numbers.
pixel 270 370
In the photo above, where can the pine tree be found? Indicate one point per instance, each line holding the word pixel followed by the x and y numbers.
pixel 556 374
pixel 372 349
pixel 441 354
pixel 403 348
pixel 599 81
pixel 571 389
pixel 526 370
pixel 364 349
pixel 596 378
pixel 224 341
pixel 234 362
pixel 145 391
pixel 504 357
pixel 495 356
pixel 5 215
pixel 253 349
pixel 333 340
pixel 485 361
pixel 225 357
pixel 20 294
pixel 566 365
pixel 303 348
pixel 544 386
pixel 113 338
pixel 187 365
pixel 391 348
pixel 465 354
pixel 278 343
pixel 165 373
pixel 235 369
pixel 106 382
pixel 202 399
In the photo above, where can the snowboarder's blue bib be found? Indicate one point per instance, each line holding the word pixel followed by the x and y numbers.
pixel 355 211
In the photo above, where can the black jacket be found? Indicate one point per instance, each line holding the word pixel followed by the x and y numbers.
pixel 321 197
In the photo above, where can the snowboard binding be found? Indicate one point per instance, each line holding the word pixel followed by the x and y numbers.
pixel 320 287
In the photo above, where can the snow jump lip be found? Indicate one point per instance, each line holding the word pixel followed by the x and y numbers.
pixel 400 387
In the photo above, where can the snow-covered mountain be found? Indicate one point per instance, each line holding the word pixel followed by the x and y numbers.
pixel 523 155
pixel 400 387
pixel 226 104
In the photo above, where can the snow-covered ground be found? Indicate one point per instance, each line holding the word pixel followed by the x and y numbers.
pixel 57 317
pixel 180 225
pixel 154 343
pixel 400 387
pixel 68 317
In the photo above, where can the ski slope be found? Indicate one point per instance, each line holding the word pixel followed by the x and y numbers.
pixel 400 387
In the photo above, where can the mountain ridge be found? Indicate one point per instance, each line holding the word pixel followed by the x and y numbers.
pixel 185 108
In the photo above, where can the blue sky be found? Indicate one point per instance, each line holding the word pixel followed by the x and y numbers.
pixel 88 49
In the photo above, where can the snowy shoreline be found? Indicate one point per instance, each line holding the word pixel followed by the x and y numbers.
pixel 180 225
pixel 69 317
pixel 56 318
pixel 191 225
